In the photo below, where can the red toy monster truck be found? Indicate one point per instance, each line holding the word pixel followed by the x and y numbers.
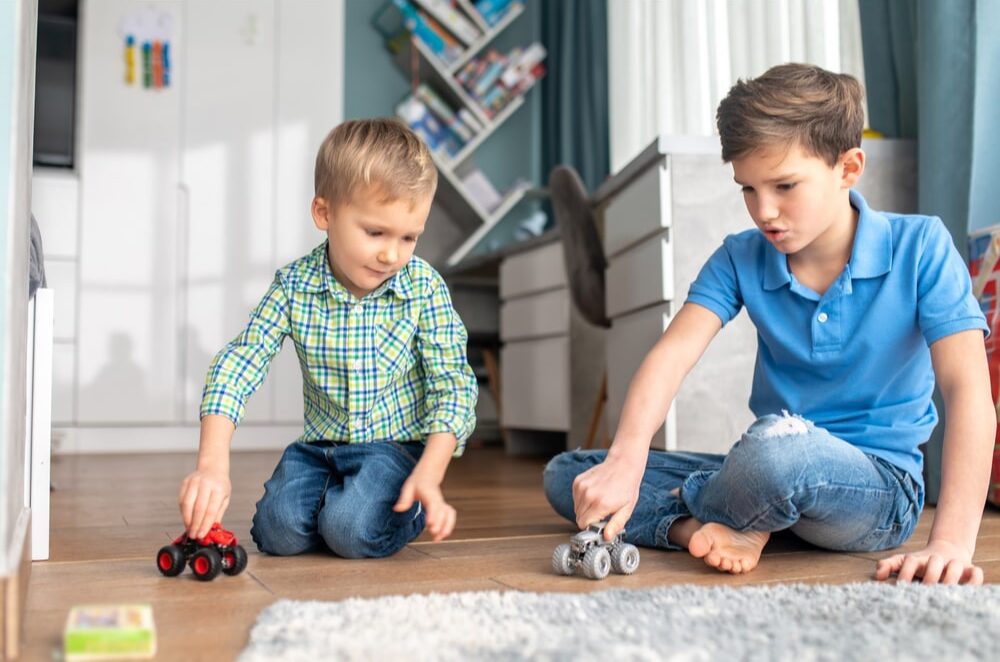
pixel 219 550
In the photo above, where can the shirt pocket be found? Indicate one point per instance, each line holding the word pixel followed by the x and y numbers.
pixel 394 343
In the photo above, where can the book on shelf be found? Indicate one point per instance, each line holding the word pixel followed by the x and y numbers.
pixel 495 79
pixel 480 189
pixel 452 19
pixel 439 138
pixel 443 112
pixel 400 16
pixel 493 11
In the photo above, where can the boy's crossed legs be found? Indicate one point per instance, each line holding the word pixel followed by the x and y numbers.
pixel 338 496
pixel 784 473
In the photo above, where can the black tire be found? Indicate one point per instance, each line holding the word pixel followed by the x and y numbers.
pixel 206 564
pixel 234 561
pixel 170 560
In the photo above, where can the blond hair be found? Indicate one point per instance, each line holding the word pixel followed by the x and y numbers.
pixel 792 103
pixel 379 157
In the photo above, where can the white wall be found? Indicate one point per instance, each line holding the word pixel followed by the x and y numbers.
pixel 17 91
pixel 670 62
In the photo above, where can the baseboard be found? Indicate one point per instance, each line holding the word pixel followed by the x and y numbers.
pixel 165 439
pixel 14 589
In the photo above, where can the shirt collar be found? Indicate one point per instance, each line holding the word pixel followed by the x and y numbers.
pixel 319 277
pixel 871 256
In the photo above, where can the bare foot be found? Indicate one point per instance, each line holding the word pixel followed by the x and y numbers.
pixel 728 550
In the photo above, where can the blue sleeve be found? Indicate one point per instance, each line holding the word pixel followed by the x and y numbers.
pixel 945 304
pixel 716 286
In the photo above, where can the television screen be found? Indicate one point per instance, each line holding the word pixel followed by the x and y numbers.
pixel 55 91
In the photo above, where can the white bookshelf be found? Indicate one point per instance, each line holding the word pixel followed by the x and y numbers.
pixel 469 213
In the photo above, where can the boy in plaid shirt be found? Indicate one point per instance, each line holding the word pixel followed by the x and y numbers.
pixel 389 395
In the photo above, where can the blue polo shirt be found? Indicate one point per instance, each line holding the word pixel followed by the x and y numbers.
pixel 856 360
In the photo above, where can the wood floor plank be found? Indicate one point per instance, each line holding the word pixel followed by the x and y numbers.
pixel 111 513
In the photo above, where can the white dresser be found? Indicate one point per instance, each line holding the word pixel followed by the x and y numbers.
pixel 551 360
pixel 664 214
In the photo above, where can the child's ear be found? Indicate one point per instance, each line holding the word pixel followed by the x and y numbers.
pixel 321 213
pixel 852 165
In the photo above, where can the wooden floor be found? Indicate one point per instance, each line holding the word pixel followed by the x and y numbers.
pixel 112 513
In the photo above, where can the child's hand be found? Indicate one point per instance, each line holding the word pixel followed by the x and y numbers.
pixel 203 499
pixel 940 561
pixel 440 516
pixel 610 488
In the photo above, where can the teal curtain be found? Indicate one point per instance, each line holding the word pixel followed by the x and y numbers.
pixel 932 71
pixel 575 88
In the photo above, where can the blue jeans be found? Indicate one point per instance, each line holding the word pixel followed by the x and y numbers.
pixel 784 473
pixel 340 495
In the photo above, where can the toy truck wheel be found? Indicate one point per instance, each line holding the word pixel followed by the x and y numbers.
pixel 234 560
pixel 206 564
pixel 170 560
pixel 561 561
pixel 597 563
pixel 625 558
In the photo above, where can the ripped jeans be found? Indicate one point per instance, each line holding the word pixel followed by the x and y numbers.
pixel 784 473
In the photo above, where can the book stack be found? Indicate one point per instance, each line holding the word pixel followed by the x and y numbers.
pixel 444 129
pixel 439 26
pixel 495 79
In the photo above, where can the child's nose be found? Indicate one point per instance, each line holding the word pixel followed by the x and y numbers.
pixel 388 256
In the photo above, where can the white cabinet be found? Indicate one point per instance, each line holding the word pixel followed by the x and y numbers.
pixel 664 215
pixel 191 196
pixel 551 364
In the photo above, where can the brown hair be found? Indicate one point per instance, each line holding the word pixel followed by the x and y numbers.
pixel 792 103
pixel 380 157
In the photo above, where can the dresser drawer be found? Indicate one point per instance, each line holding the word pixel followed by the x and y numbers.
pixel 640 277
pixel 629 340
pixel 544 314
pixel 534 270
pixel 534 384
pixel 641 210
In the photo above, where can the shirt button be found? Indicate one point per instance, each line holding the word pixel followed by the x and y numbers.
pixel 359 364
pixel 823 317
pixel 358 424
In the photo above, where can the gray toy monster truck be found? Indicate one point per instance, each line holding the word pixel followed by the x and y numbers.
pixel 596 555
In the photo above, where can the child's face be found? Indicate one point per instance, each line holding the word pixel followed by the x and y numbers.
pixel 369 240
pixel 796 199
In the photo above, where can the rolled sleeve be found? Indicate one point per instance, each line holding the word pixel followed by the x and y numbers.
pixel 450 385
pixel 945 303
pixel 717 287
pixel 240 367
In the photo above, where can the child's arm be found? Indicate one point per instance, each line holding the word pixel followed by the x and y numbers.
pixel 205 493
pixel 236 372
pixel 970 427
pixel 612 487
pixel 424 485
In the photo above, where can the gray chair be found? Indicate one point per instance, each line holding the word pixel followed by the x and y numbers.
pixel 584 256
pixel 585 263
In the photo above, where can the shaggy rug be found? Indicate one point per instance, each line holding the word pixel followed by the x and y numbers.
pixel 867 621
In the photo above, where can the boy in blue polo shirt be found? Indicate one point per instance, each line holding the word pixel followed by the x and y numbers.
pixel 857 313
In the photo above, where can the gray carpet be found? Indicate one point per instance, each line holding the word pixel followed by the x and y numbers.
pixel 867 621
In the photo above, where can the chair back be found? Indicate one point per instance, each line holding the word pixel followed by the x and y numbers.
pixel 584 256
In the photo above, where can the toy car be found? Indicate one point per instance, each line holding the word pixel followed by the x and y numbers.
pixel 596 555
pixel 217 551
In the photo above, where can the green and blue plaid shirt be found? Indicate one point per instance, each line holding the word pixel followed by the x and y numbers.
pixel 389 366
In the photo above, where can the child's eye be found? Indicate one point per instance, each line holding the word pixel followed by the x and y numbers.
pixel 746 189
pixel 786 187
pixel 411 240
pixel 373 233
